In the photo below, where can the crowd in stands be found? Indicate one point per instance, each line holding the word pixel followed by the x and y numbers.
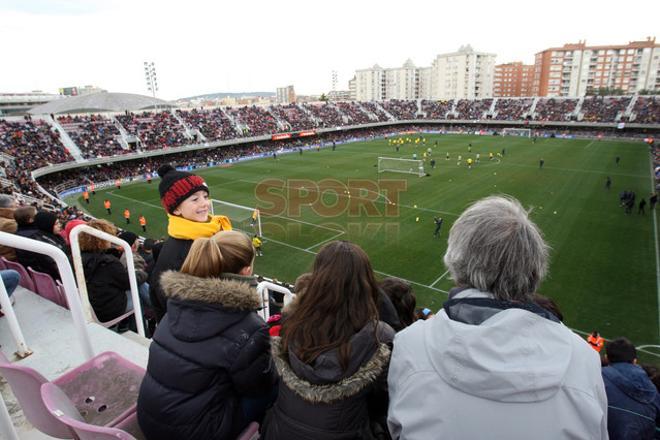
pixel 647 110
pixel 257 120
pixel 375 110
pixel 32 143
pixel 472 109
pixel 402 110
pixel 95 135
pixel 436 109
pixel 213 125
pixel 554 109
pixel 156 130
pixel 356 115
pixel 512 109
pixel 326 113
pixel 293 116
pixel 603 109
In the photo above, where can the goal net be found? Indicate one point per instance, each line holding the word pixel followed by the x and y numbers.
pixel 243 218
pixel 522 132
pixel 396 165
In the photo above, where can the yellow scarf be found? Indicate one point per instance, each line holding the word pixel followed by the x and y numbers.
pixel 179 227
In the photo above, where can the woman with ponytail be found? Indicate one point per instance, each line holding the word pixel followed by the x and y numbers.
pixel 185 198
pixel 210 371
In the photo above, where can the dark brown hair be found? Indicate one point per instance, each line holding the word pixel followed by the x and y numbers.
pixel 402 297
pixel 339 300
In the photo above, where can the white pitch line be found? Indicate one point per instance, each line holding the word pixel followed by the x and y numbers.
pixel 589 144
pixel 439 278
pixel 134 200
pixel 325 241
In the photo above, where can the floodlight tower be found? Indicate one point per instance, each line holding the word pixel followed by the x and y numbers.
pixel 150 76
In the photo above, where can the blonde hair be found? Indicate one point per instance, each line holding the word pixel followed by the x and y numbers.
pixel 225 252
pixel 89 243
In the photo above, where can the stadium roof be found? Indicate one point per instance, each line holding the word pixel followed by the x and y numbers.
pixel 100 102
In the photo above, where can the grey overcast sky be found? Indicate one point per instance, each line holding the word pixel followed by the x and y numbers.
pixel 211 46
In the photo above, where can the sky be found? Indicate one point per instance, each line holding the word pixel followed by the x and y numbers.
pixel 202 47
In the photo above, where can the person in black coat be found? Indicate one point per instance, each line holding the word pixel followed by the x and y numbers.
pixel 210 370
pixel 333 354
pixel 47 230
pixel 185 197
pixel 106 278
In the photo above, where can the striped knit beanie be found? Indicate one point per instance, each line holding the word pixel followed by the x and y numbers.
pixel 176 186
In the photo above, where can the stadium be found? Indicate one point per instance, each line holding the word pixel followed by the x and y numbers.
pixel 243 314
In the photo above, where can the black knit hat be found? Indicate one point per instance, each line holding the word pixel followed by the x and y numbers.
pixel 128 237
pixel 44 221
pixel 176 186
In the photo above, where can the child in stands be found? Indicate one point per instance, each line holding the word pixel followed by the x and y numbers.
pixel 333 353
pixel 210 370
pixel 185 197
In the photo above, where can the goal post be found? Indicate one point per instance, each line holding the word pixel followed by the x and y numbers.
pixel 397 165
pixel 521 132
pixel 243 218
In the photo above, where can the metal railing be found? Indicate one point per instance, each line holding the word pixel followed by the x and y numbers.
pixel 70 290
pixel 263 288
pixel 80 274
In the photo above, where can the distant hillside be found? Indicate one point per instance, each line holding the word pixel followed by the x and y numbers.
pixel 228 95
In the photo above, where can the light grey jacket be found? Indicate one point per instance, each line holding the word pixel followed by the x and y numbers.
pixel 517 375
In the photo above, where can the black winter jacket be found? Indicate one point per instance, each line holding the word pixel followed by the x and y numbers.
pixel 171 257
pixel 40 262
pixel 107 283
pixel 321 401
pixel 210 350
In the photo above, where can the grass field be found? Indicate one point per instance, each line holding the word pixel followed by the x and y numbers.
pixel 603 262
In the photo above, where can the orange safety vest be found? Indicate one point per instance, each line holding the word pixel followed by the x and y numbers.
pixel 106 204
pixel 596 343
pixel 143 221
pixel 85 195
pixel 127 213
pixel 117 182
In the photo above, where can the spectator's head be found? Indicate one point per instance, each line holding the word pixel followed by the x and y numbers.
pixel 340 297
pixel 90 243
pixel 620 350
pixel 423 314
pixel 225 252
pixel 24 215
pixel 130 238
pixel 549 304
pixel 148 245
pixel 47 222
pixel 403 298
pixel 183 194
pixel 7 201
pixel 654 374
pixel 494 247
pixel 69 227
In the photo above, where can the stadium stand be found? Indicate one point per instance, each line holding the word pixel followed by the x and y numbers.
pixel 155 130
pixel 95 135
pixel 376 111
pixel 512 109
pixel 472 109
pixel 213 125
pixel 326 113
pixel 257 120
pixel 401 110
pixel 355 114
pixel 552 109
pixel 293 116
pixel 604 109
pixel 647 110
pixel 436 109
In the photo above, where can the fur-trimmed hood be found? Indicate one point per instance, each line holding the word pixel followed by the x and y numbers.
pixel 347 387
pixel 230 291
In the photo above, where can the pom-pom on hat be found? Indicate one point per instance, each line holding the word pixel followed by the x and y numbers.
pixel 176 186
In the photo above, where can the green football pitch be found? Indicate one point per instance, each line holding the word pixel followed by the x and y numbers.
pixel 603 270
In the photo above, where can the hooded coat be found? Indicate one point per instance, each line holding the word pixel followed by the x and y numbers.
pixel 210 350
pixel 322 401
pixel 634 404
pixel 40 262
pixel 171 257
pixel 490 370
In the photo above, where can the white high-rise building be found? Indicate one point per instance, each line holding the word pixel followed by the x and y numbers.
pixel 462 74
pixel 465 74
pixel 285 95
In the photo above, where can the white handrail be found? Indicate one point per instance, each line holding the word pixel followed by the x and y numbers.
pixel 80 274
pixel 263 288
pixel 66 274
pixel 14 327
